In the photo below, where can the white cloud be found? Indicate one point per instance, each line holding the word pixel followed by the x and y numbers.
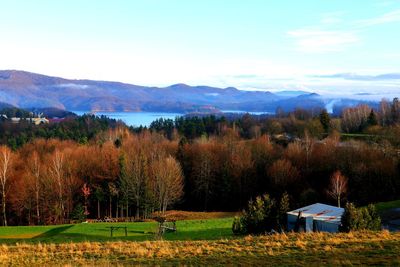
pixel 334 34
pixel 320 41
pixel 393 16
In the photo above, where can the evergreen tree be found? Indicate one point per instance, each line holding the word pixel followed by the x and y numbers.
pixel 325 120
pixel 375 222
pixel 78 213
pixel 366 218
pixel 282 210
pixel 259 217
pixel 350 218
pixel 372 120
pixel 124 184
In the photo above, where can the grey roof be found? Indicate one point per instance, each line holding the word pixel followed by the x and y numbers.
pixel 320 212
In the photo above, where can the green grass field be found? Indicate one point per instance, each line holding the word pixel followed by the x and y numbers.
pixel 383 206
pixel 209 229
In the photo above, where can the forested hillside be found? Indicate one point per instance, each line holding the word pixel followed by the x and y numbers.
pixel 95 167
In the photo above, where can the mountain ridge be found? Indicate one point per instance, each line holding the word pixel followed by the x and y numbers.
pixel 25 89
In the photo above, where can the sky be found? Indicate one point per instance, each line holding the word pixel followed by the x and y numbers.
pixel 328 47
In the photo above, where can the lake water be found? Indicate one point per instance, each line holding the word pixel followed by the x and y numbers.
pixel 135 118
pixel 146 118
pixel 250 112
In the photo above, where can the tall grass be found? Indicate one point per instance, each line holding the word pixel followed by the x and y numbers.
pixel 379 248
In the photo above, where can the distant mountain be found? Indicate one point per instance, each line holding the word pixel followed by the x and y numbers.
pixel 27 90
pixel 304 101
pixel 5 105
pixel 291 93
pixel 34 91
pixel 363 94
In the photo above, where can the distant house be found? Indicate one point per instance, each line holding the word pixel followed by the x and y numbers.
pixel 36 121
pixel 315 218
pixel 15 120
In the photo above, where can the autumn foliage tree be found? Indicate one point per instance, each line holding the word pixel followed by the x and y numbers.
pixel 283 173
pixel 218 164
pixel 86 191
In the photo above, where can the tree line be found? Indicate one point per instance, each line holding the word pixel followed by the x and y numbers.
pixel 132 175
pixel 196 163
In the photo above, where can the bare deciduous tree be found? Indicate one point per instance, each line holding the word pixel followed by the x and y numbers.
pixel 353 118
pixel 308 145
pixel 133 182
pixel 34 168
pixel 204 175
pixel 5 162
pixel 282 173
pixel 57 171
pixel 168 181
pixel 338 186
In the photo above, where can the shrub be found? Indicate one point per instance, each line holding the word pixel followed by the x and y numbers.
pixel 375 222
pixel 365 218
pixel 78 213
pixel 282 210
pixel 236 226
pixel 262 215
pixel 257 218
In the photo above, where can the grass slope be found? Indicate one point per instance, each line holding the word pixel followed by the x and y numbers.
pixel 383 206
pixel 312 249
pixel 209 229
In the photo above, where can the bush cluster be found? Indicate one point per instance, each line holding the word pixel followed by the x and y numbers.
pixel 366 218
pixel 263 214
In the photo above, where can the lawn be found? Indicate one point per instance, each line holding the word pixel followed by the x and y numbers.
pixel 383 206
pixel 206 229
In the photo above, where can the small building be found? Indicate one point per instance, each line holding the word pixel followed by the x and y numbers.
pixel 315 218
pixel 39 120
pixel 15 120
pixel 36 121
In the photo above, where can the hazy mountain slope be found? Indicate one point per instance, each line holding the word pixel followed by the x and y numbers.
pixel 30 90
pixel 24 89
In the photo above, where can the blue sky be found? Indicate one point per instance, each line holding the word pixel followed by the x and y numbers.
pixel 332 47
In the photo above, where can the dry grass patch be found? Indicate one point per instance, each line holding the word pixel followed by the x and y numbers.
pixel 380 248
pixel 180 215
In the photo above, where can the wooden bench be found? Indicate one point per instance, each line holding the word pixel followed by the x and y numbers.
pixel 167 226
pixel 112 228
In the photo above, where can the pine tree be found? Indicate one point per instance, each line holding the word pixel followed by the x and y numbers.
pixel 325 120
pixel 372 120
pixel 282 210
pixel 350 218
pixel 375 222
